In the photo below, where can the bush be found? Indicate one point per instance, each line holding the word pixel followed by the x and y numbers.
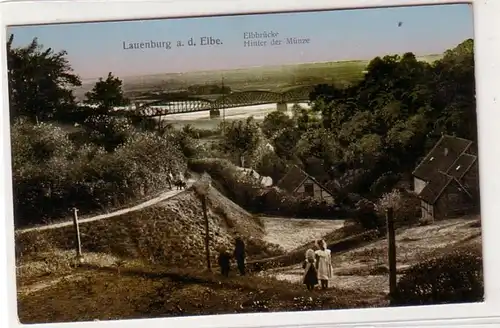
pixel 107 131
pixel 272 166
pixel 51 174
pixel 456 277
pixel 247 192
pixel 406 207
pixel 366 216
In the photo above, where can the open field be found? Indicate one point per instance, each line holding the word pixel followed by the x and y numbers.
pixel 272 78
pixel 275 78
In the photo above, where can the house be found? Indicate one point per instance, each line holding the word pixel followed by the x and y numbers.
pixel 265 181
pixel 446 181
pixel 299 183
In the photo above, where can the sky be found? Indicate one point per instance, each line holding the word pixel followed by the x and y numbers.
pixel 94 49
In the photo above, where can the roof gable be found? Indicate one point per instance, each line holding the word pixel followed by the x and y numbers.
pixel 292 180
pixel 446 152
pixel 295 178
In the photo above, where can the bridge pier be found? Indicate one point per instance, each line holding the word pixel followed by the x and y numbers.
pixel 214 113
pixel 282 106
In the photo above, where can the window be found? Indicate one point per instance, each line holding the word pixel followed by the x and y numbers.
pixel 309 189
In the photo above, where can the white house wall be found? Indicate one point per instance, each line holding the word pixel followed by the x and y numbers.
pixel 319 193
pixel 419 185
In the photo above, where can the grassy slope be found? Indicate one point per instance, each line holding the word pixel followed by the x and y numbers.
pixel 52 289
pixel 109 293
pixel 171 233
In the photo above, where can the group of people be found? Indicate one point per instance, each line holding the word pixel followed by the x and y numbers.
pixel 317 266
pixel 238 254
pixel 176 181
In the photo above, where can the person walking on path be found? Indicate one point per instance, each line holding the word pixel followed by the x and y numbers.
pixel 170 179
pixel 224 261
pixel 239 255
pixel 310 277
pixel 324 264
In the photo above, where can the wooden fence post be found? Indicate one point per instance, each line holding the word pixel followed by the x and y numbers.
pixel 207 235
pixel 78 243
pixel 391 241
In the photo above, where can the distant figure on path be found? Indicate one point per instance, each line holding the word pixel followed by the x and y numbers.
pixel 310 278
pixel 170 178
pixel 324 264
pixel 180 184
pixel 239 254
pixel 224 262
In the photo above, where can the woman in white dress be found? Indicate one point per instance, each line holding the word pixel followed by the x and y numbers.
pixel 323 264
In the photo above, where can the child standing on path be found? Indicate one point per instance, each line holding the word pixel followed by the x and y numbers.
pixel 324 264
pixel 310 278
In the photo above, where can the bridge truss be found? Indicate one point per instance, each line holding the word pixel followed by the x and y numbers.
pixel 187 104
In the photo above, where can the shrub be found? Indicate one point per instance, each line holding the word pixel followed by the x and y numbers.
pixel 456 277
pixel 365 215
pixel 107 131
pixel 272 166
pixel 406 206
pixel 51 174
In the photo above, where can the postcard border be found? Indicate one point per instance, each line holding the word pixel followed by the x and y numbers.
pixel 487 57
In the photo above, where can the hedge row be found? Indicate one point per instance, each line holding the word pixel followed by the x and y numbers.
pixel 52 174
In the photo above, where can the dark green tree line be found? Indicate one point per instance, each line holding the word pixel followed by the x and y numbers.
pixel 386 122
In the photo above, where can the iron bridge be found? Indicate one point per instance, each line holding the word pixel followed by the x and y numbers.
pixel 175 104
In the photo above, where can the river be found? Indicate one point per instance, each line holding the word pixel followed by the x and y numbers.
pixel 202 120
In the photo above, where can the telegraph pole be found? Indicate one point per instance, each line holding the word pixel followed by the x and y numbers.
pixel 391 243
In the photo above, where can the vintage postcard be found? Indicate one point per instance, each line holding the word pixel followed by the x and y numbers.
pixel 238 164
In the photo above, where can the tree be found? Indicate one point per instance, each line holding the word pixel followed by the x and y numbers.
pixel 105 130
pixel 242 138
pixel 107 94
pixel 40 82
pixel 391 118
pixel 274 123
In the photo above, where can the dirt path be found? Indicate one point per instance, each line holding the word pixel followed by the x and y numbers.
pixel 292 233
pixel 163 196
pixel 352 268
pixel 33 288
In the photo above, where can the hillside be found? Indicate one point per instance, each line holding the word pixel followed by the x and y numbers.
pixel 365 266
pixel 168 233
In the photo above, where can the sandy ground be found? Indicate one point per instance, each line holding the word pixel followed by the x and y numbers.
pixel 293 233
pixel 351 269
